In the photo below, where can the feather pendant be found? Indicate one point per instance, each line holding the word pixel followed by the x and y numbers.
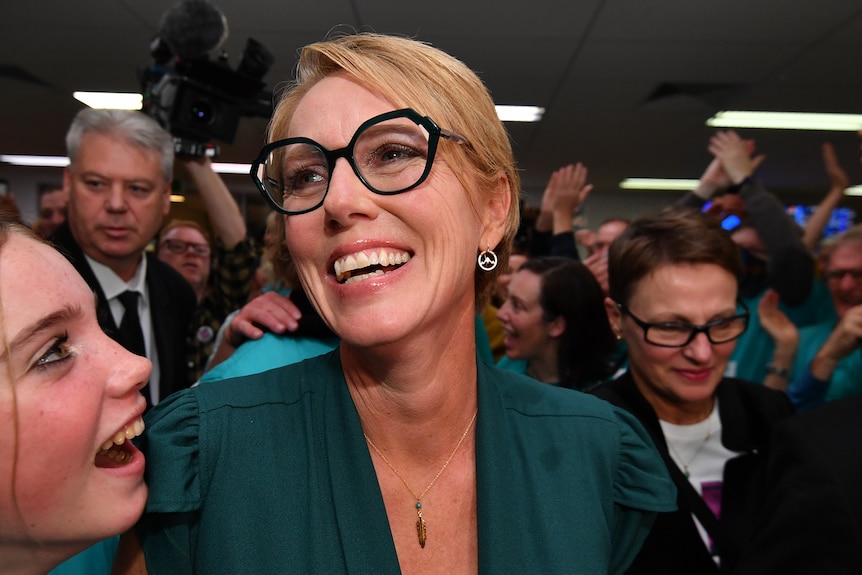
pixel 420 530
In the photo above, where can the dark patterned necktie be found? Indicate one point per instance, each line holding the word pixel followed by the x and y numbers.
pixel 131 334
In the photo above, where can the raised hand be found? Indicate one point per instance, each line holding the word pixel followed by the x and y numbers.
pixel 785 335
pixel 837 176
pixel 597 263
pixel 735 155
pixel 570 187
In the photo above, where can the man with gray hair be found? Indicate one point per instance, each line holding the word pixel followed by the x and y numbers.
pixel 119 184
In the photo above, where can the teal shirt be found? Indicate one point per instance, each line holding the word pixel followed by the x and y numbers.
pixel 846 380
pixel 513 365
pixel 268 352
pixel 271 474
pixel 276 350
pixel 95 560
pixel 755 348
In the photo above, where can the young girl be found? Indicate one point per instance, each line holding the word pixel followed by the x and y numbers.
pixel 69 403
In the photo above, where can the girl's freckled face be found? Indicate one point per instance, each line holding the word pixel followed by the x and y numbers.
pixel 70 388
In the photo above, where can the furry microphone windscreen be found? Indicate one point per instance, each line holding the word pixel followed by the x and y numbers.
pixel 193 29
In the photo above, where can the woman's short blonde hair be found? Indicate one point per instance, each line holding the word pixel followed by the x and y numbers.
pixel 412 74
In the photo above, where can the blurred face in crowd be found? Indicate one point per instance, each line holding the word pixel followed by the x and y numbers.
pixel 69 399
pixel 501 288
pixel 678 381
pixel 186 250
pixel 844 274
pixel 528 335
pixel 117 200
pixel 606 234
pixel 52 211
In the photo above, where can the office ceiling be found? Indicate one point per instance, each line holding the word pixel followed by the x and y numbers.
pixel 627 84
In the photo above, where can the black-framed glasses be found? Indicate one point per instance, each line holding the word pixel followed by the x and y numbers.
pixel 390 153
pixel 838 275
pixel 180 247
pixel 680 334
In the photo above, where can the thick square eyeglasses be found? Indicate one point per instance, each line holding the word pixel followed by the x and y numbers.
pixel 680 334
pixel 390 154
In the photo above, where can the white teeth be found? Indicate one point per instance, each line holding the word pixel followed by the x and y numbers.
pixel 343 266
pixel 359 278
pixel 129 432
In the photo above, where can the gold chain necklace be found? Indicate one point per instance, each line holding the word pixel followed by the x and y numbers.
pixel 682 461
pixel 420 523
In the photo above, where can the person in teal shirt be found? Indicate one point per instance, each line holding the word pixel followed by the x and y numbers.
pixel 400 451
pixel 774 255
pixel 828 363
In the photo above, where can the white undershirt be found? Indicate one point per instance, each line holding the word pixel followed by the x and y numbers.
pixel 704 459
pixel 113 286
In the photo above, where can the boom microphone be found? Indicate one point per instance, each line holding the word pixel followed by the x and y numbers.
pixel 193 29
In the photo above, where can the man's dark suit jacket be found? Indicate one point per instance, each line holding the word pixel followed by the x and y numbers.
pixel 748 412
pixel 172 302
pixel 811 521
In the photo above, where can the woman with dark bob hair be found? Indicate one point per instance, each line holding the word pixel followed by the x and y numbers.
pixel 673 299
pixel 399 451
pixel 555 323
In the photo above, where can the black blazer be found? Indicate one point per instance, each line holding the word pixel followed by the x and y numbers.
pixel 172 303
pixel 748 412
pixel 811 520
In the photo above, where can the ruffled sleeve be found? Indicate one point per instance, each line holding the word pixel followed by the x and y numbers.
pixel 171 448
pixel 642 487
pixel 642 480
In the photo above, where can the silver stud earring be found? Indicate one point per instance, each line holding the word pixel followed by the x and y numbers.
pixel 488 260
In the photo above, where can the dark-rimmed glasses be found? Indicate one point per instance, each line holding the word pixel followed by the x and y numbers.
pixel 390 153
pixel 180 247
pixel 838 275
pixel 680 334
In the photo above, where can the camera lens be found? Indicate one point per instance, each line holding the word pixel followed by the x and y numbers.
pixel 201 112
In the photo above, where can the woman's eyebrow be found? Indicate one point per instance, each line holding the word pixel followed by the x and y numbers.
pixel 47 322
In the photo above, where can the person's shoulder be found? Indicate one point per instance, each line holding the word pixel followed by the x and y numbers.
pixel 161 274
pixel 285 384
pixel 530 397
pixel 64 242
pixel 755 397
pixel 841 416
pixel 817 331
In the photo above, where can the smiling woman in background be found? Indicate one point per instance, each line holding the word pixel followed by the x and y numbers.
pixel 69 399
pixel 399 452
pixel 673 299
pixel 555 323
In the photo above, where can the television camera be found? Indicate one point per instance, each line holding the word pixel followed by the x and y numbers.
pixel 196 98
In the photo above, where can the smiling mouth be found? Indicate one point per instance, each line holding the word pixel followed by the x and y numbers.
pixel 116 452
pixel 368 263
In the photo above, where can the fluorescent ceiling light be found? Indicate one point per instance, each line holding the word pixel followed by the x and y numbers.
pixel 519 113
pixel 787 121
pixel 35 161
pixel 853 191
pixel 63 161
pixel 658 184
pixel 110 100
pixel 232 168
pixel 127 101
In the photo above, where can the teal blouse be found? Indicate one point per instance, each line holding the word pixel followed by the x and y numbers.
pixel 270 473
